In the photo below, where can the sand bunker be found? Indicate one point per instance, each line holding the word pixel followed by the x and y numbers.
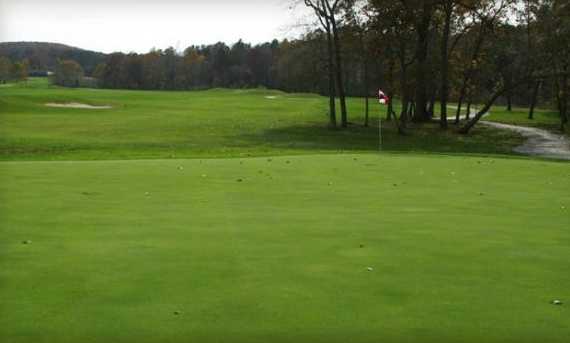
pixel 270 97
pixel 78 105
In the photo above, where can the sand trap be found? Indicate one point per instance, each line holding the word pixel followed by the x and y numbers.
pixel 271 97
pixel 78 105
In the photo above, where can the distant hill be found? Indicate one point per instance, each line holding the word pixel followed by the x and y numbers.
pixel 43 56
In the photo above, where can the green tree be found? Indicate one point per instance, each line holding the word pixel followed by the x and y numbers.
pixel 20 70
pixel 68 73
pixel 5 69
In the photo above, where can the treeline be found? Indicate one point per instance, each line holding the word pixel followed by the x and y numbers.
pixel 218 65
pixel 424 52
pixel 466 51
pixel 13 71
pixel 42 56
pixel 294 66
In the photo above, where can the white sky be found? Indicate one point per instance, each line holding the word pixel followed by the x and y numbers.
pixel 139 25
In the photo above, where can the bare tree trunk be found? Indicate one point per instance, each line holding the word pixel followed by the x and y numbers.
pixel 403 116
pixel 321 8
pixel 564 100
pixel 366 111
pixel 444 91
pixel 412 109
pixel 390 89
pixel 431 106
pixel 469 72
pixel 468 109
pixel 332 90
pixel 465 129
pixel 404 89
pixel 421 56
pixel 458 111
pixel 533 99
pixel 364 57
pixel 509 102
pixel 339 77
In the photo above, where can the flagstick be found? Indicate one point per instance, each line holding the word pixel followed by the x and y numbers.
pixel 380 129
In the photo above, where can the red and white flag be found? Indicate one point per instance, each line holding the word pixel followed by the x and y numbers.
pixel 382 98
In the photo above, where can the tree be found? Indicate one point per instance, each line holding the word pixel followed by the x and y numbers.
pixel 395 30
pixel 454 26
pixel 5 69
pixel 420 13
pixel 487 15
pixel 356 13
pixel 152 70
pixel 553 24
pixel 327 13
pixel 68 73
pixel 319 8
pixel 20 70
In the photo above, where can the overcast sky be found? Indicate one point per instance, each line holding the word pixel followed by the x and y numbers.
pixel 139 25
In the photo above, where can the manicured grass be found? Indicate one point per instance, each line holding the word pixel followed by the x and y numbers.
pixel 125 240
pixel 215 123
pixel 462 249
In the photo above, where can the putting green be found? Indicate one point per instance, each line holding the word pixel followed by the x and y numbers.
pixel 462 249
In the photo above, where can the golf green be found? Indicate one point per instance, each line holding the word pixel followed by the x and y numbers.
pixel 313 248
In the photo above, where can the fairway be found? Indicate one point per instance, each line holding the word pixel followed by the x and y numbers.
pixel 204 124
pixel 318 248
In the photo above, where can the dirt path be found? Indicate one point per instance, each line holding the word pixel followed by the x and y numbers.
pixel 539 142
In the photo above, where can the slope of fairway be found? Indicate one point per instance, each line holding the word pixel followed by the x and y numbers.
pixel 213 123
pixel 279 250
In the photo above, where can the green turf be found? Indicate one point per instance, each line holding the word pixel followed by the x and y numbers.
pixel 463 249
pixel 160 222
pixel 543 118
pixel 215 123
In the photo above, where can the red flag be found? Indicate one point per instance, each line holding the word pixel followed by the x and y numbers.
pixel 382 98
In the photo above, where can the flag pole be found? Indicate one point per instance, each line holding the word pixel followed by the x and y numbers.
pixel 380 129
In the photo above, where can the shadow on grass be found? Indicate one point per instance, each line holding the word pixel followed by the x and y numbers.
pixel 427 137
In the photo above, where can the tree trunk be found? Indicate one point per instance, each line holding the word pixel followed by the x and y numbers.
pixel 332 90
pixel 509 102
pixel 444 91
pixel 366 111
pixel 412 109
pixel 421 57
pixel 465 129
pixel 390 89
pixel 403 116
pixel 459 105
pixel 366 92
pixel 431 106
pixel 339 78
pixel 468 109
pixel 404 89
pixel 533 100
pixel 469 72
pixel 564 100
